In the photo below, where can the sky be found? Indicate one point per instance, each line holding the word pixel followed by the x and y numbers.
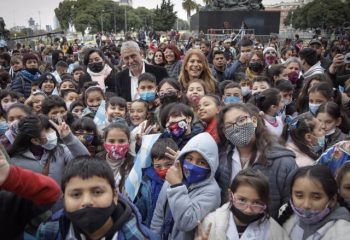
pixel 17 12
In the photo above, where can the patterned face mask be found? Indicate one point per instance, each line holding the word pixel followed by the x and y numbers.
pixel 240 136
pixel 178 129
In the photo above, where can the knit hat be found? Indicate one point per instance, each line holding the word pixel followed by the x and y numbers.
pixel 269 49
pixel 29 56
pixel 47 76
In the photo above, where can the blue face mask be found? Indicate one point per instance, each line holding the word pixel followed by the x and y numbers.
pixel 3 127
pixel 148 96
pixel 194 173
pixel 231 99
pixel 313 107
pixel 321 141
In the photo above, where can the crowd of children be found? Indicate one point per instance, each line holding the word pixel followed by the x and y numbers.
pixel 260 153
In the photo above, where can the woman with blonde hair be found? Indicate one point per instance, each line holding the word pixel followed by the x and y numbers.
pixel 195 66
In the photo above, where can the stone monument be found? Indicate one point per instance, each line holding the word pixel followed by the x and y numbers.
pixel 231 14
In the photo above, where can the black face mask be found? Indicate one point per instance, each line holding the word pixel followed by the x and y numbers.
pixel 96 67
pixel 245 218
pixel 90 219
pixel 256 67
pixel 32 70
pixel 168 97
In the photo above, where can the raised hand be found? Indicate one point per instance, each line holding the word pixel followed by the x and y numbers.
pixel 203 234
pixel 174 174
pixel 62 128
pixel 170 153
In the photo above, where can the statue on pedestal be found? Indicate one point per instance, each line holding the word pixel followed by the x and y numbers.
pixel 235 4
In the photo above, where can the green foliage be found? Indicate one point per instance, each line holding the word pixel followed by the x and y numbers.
pixel 189 5
pixel 164 17
pixel 319 14
pixel 106 14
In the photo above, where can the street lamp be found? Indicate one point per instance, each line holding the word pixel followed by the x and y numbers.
pixel 102 21
pixel 126 21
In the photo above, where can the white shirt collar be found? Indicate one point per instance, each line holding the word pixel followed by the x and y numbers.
pixel 143 70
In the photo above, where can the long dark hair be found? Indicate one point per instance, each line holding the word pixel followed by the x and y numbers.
pixel 333 110
pixel 320 173
pixel 303 98
pixel 296 130
pixel 262 136
pixel 87 124
pixel 129 159
pixel 28 128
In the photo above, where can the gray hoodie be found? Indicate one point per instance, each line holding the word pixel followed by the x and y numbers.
pixel 191 204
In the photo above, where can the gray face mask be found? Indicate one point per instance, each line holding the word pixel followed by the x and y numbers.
pixel 240 136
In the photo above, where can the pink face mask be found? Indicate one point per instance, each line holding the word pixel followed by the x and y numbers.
pixel 116 151
pixel 270 59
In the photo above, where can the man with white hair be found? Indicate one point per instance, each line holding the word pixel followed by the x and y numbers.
pixel 127 80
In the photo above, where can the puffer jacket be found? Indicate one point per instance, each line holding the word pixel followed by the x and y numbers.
pixel 279 170
pixel 23 82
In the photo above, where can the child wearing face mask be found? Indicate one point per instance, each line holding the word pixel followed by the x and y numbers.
pixel 246 214
pixel 93 209
pixel 286 89
pixel 190 191
pixel 332 119
pixel 153 178
pixel 147 89
pixel 116 152
pixel 76 108
pixel 305 137
pixel 176 119
pixel 69 96
pixel 313 211
pixel 232 93
pixel 321 93
pixel 93 98
pixel 271 106
pixel 85 130
pixel 36 146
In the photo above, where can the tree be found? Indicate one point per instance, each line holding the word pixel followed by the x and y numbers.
pixel 98 14
pixel 164 17
pixel 189 5
pixel 319 14
pixel 64 13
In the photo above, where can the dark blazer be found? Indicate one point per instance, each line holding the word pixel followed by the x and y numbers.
pixel 122 86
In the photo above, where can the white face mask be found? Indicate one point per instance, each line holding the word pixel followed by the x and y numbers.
pixel 68 103
pixel 330 132
pixel 246 91
pixel 51 141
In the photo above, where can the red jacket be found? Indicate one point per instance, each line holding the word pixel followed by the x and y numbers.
pixel 35 187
